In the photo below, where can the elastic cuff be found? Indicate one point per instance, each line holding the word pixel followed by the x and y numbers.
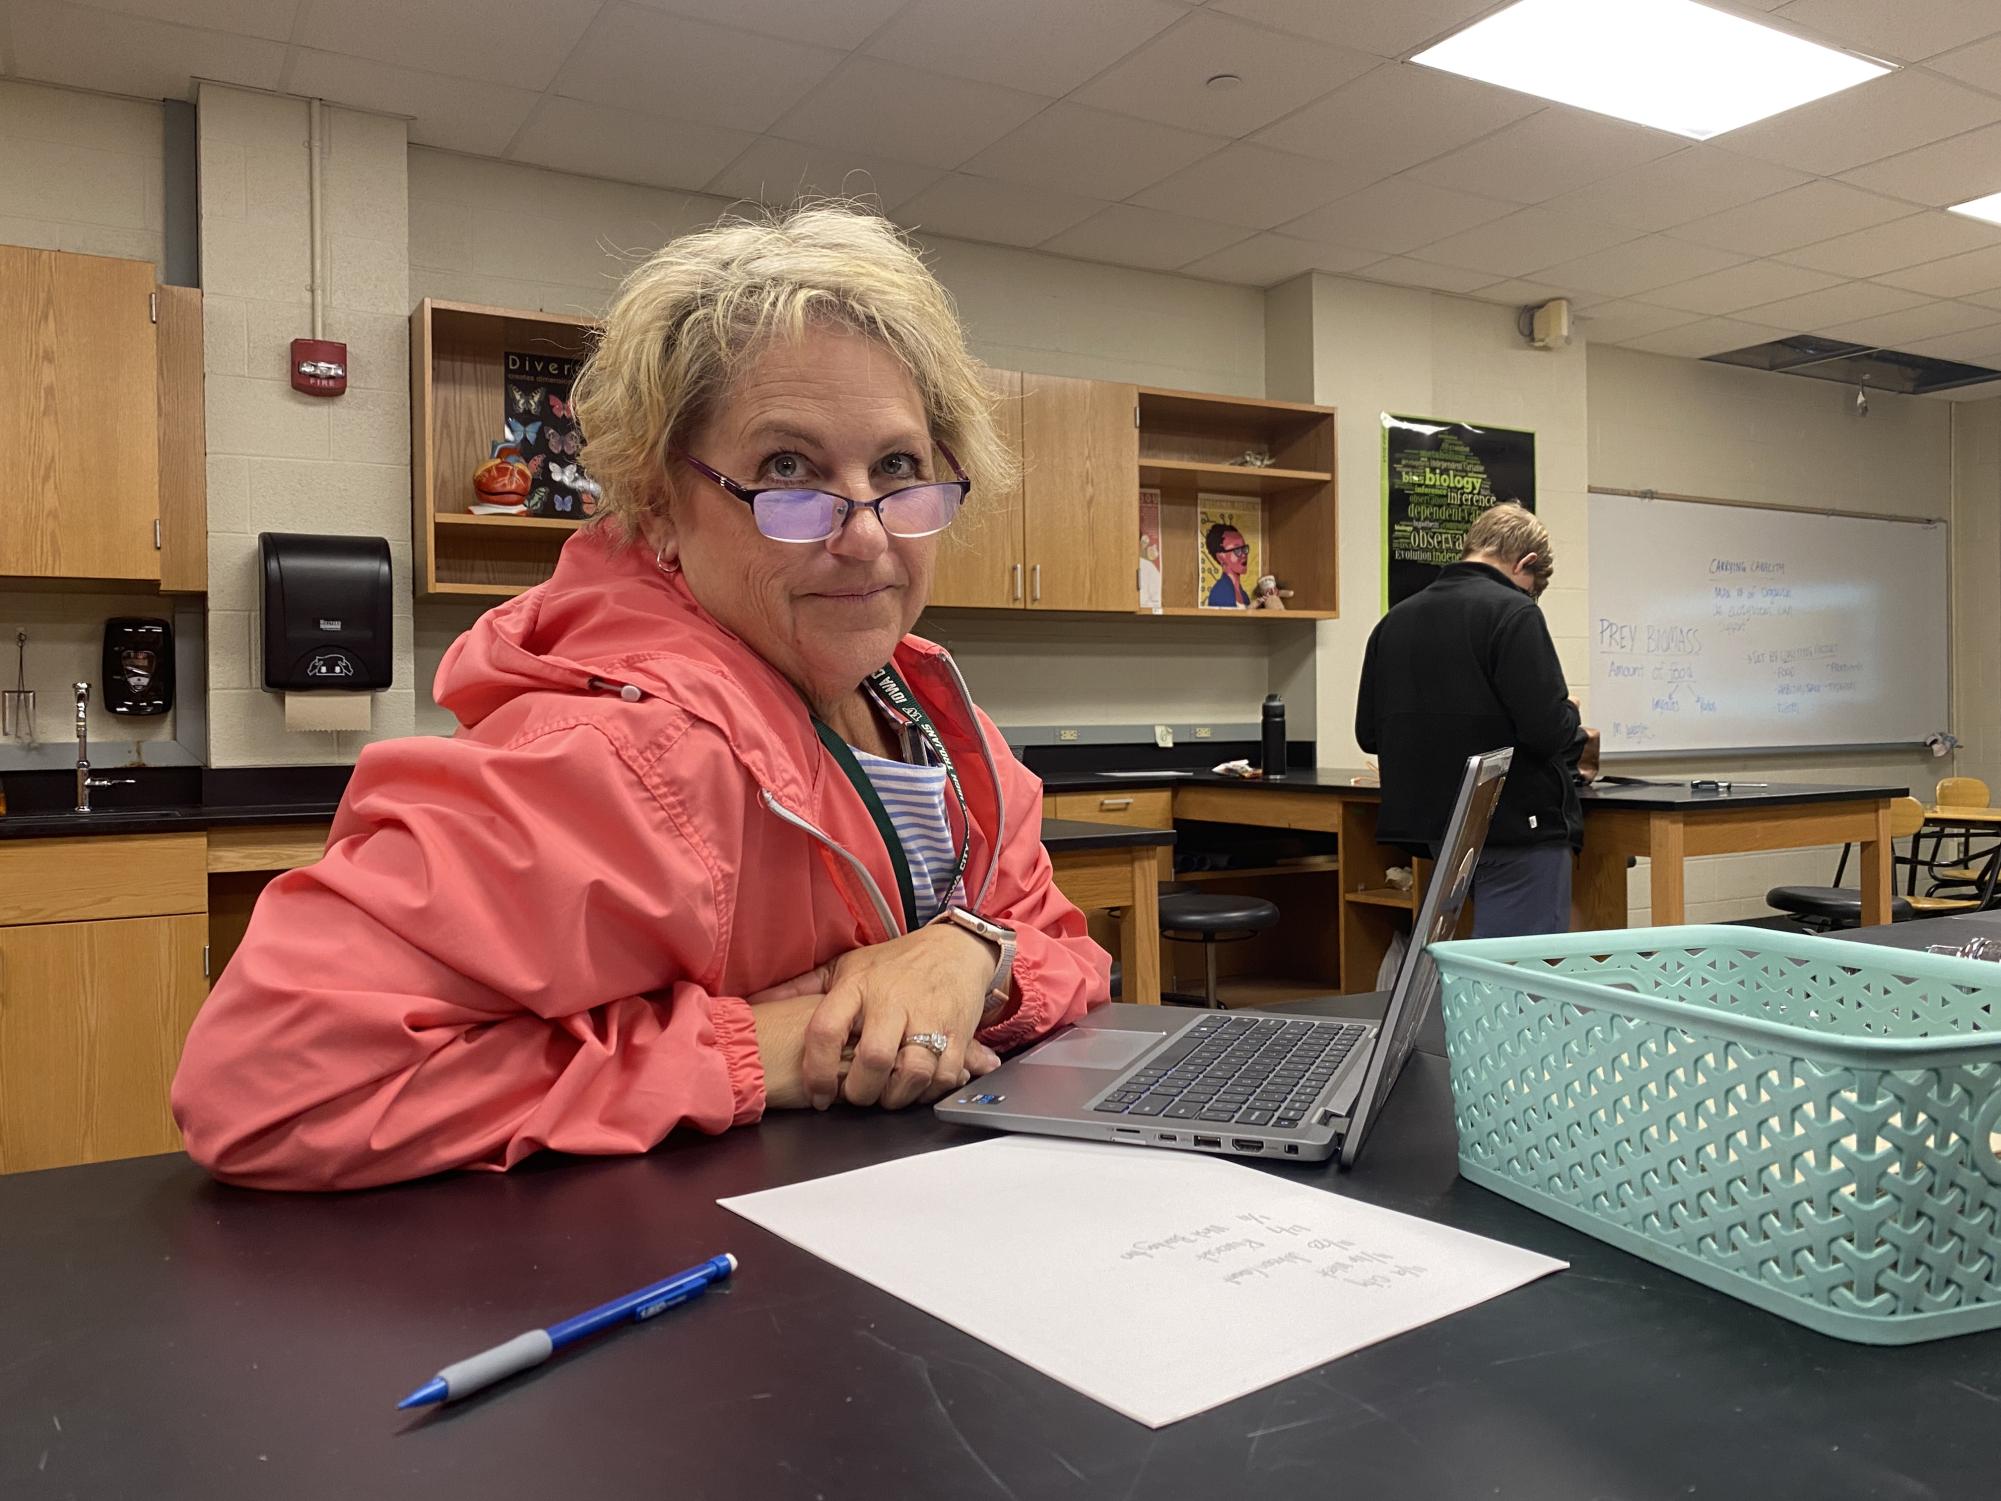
pixel 736 1038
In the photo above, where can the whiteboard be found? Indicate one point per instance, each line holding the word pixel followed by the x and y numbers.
pixel 1717 627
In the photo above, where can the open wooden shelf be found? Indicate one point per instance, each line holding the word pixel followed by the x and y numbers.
pixel 457 406
pixel 1383 896
pixel 1196 612
pixel 1232 479
pixel 1296 867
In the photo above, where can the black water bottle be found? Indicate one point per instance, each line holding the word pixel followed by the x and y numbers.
pixel 1274 736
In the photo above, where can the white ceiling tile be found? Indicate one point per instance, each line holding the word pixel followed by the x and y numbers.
pixel 1166 80
pixel 1977 346
pixel 1904 33
pixel 1515 292
pixel 1551 152
pixel 885 110
pixel 1984 299
pixel 690 70
pixel 270 19
pixel 1252 186
pixel 1396 116
pixel 1896 112
pixel 1928 236
pixel 1638 266
pixel 1129 236
pixel 1001 213
pixel 845 24
pixel 1932 320
pixel 1979 65
pixel 599 141
pixel 1040 46
pixel 1799 216
pixel 454 113
pixel 520 43
pixel 1690 184
pixel 1530 240
pixel 1739 287
pixel 1265 260
pixel 93 49
pixel 1617 322
pixel 1946 172
pixel 1953 276
pixel 1388 28
pixel 1704 337
pixel 1402 271
pixel 779 172
pixel 1092 151
pixel 1985 390
pixel 1396 216
pixel 1818 311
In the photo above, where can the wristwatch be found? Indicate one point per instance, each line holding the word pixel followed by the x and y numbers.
pixel 999 990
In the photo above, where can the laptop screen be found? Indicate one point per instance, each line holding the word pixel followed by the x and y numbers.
pixel 1416 986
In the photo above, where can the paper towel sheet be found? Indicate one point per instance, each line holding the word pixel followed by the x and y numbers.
pixel 329 711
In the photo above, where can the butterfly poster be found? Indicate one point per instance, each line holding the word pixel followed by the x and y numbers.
pixel 541 426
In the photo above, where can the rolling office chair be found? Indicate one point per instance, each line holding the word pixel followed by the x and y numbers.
pixel 1823 909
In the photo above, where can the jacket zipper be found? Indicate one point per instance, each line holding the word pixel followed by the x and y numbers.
pixel 993 775
pixel 889 922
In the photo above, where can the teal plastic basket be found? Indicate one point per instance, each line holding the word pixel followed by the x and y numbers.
pixel 1806 1124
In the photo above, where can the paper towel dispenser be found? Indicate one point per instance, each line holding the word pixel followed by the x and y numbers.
pixel 329 612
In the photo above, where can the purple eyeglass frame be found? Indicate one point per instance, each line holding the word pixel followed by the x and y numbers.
pixel 749 496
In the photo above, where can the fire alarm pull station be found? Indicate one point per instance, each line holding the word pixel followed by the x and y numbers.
pixel 319 367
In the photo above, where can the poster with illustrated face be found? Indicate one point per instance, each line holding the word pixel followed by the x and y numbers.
pixel 1149 549
pixel 1229 550
pixel 541 426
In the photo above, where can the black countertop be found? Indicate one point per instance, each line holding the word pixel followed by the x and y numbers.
pixel 171 1338
pixel 1300 779
pixel 1060 834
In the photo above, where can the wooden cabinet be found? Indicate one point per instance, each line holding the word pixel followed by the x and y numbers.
pixel 1149 808
pixel 1080 499
pixel 79 403
pixel 980 560
pixel 92 1017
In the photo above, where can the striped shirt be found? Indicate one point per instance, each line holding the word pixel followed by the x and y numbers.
pixel 913 795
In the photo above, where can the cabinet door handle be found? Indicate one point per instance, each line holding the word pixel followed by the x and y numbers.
pixel 1016 594
pixel 1114 804
pixel 1035 584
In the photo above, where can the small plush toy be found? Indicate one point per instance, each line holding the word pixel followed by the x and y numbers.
pixel 1268 596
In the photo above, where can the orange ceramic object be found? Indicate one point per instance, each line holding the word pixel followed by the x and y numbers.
pixel 501 482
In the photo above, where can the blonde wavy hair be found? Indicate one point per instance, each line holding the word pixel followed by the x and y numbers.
pixel 1511 532
pixel 690 320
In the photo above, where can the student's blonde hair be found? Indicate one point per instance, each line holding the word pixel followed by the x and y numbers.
pixel 689 321
pixel 1511 533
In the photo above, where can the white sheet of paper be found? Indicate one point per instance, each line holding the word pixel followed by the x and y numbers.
pixel 1158 1283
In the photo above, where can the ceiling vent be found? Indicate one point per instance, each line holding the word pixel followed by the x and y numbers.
pixel 1857 365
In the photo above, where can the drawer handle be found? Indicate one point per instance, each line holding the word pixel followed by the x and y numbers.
pixel 1114 804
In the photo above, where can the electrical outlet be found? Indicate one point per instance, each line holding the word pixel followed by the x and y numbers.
pixel 1163 736
pixel 1203 732
pixel 1066 734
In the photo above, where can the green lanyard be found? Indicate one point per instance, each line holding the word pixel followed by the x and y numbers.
pixel 895 696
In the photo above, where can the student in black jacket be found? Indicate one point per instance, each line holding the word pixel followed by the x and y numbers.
pixel 1463 667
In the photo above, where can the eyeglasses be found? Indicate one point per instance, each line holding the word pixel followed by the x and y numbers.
pixel 815 515
pixel 1242 551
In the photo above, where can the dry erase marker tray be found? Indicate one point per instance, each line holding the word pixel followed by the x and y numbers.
pixel 1806 1124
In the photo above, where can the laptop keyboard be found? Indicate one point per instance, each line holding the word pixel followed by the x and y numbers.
pixel 1247 1071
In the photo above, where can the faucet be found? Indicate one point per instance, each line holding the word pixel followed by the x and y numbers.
pixel 82 746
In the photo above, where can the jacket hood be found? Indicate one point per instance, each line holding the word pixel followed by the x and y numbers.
pixel 610 624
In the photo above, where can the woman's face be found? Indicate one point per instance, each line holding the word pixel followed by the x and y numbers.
pixel 1233 556
pixel 834 411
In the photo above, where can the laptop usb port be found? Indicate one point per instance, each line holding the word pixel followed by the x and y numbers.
pixel 1209 1141
pixel 1246 1144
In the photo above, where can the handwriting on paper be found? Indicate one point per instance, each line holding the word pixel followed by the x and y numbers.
pixel 1253 1247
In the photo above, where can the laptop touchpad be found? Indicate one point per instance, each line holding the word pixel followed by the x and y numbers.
pixel 1092 1047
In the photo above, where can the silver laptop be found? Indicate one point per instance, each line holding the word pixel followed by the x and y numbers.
pixel 1243 1083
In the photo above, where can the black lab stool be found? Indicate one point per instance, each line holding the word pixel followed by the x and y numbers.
pixel 1198 917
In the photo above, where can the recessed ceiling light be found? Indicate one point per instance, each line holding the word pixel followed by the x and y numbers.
pixel 1671 64
pixel 1988 208
pixel 1224 81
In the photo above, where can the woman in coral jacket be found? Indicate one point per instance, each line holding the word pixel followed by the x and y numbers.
pixel 717 835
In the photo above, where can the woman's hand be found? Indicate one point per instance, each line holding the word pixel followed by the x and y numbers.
pixel 932 980
pixel 781 1044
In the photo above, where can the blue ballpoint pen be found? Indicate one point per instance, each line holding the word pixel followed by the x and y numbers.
pixel 463 1378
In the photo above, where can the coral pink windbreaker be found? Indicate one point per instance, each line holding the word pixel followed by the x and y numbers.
pixel 539 933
